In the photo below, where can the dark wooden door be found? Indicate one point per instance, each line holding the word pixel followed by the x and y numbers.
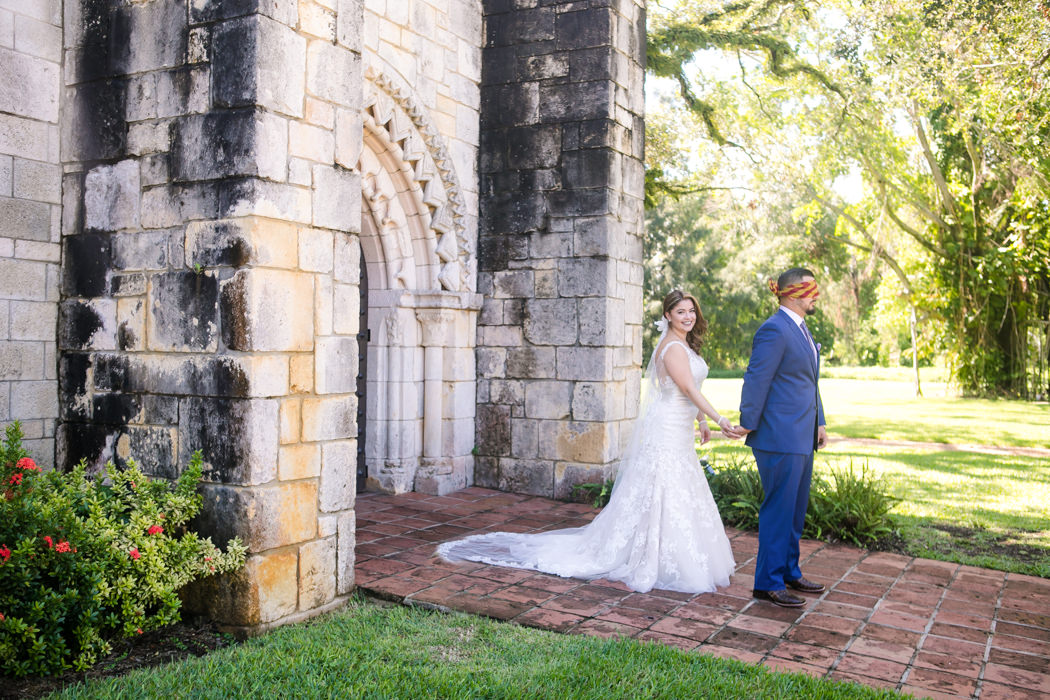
pixel 363 337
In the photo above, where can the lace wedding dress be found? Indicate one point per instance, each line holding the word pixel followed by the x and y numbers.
pixel 661 528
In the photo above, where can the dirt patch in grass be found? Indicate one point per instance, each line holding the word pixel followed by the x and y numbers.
pixel 953 541
pixel 152 649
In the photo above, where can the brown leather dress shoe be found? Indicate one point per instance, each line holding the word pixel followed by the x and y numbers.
pixel 805 585
pixel 781 598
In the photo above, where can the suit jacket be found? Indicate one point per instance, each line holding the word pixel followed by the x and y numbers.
pixel 780 401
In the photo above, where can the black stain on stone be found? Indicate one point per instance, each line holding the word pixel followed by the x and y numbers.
pixel 115 409
pixel 86 263
pixel 235 53
pixel 223 245
pixel 233 310
pixel 78 322
pixel 73 385
pixel 152 449
pixel 185 308
pixel 210 376
pixel 84 442
pixel 219 429
pixel 126 338
pixel 111 372
pixel 214 145
pixel 493 430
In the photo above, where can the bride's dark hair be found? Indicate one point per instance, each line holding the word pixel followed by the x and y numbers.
pixel 695 337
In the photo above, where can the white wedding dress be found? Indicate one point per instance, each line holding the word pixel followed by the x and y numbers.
pixel 661 528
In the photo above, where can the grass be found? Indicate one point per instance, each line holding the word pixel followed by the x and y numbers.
pixel 962 505
pixel 888 410
pixel 373 651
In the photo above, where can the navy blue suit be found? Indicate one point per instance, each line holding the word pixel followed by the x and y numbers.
pixel 780 404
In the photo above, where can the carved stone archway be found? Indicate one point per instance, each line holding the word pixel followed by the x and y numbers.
pixel 422 310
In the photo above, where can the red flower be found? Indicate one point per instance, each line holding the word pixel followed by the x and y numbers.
pixel 16 478
pixel 50 544
pixel 27 464
pixel 139 630
pixel 62 546
pixel 134 553
pixel 154 530
pixel 5 553
pixel 1 617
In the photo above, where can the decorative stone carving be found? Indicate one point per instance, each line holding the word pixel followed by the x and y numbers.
pixel 391 110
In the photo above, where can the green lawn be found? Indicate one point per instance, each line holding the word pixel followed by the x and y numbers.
pixel 889 410
pixel 967 506
pixel 372 651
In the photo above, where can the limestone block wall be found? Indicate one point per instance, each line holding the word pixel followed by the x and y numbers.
pixel 559 336
pixel 30 202
pixel 210 271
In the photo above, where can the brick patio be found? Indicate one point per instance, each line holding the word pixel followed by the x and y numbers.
pixel 929 628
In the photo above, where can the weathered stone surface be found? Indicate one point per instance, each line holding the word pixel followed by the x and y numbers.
pixel 240 242
pixel 532 363
pixel 333 73
pixel 257 61
pixel 568 475
pixel 299 461
pixel 338 485
pixel 87 261
pixel 22 279
pixel 21 70
pixel 91 324
pixel 222 375
pixel 493 430
pixel 149 36
pixel 332 418
pixel 317 573
pixel 262 310
pixel 183 312
pixel 336 365
pixel 229 143
pixel 263 517
pixel 111 196
pixel 578 441
pixel 337 198
pixel 237 438
pixel 264 590
pixel 550 321
pixel 548 399
pixel 346 542
pixel 531 476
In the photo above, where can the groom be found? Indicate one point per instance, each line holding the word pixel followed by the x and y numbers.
pixel 782 416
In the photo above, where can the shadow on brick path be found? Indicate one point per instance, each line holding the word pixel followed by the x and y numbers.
pixel 929 628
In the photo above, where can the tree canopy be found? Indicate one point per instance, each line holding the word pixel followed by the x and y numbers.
pixel 906 139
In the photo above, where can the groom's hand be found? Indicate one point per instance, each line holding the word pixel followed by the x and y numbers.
pixel 822 437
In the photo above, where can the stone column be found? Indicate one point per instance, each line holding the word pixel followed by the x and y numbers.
pixel 209 233
pixel 562 179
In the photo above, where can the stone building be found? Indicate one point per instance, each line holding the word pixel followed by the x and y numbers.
pixel 329 243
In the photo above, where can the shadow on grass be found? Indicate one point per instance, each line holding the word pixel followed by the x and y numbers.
pixel 1003 548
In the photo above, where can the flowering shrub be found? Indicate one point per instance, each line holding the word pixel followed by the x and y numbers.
pixel 83 559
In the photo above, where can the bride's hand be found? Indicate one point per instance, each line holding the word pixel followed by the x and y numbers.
pixel 705 432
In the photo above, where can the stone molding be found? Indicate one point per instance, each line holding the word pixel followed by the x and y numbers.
pixel 424 151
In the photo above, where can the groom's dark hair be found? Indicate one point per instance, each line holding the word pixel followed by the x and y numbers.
pixel 795 274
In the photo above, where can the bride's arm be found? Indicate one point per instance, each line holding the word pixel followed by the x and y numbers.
pixel 677 363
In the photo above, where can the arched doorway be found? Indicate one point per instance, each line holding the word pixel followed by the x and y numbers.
pixel 421 310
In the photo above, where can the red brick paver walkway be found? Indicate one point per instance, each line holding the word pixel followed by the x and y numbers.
pixel 929 628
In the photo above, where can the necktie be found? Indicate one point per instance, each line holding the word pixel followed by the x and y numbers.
pixel 809 338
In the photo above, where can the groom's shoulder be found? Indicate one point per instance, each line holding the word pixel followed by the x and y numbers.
pixel 773 322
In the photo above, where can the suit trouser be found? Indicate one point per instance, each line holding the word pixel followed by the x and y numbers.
pixel 785 481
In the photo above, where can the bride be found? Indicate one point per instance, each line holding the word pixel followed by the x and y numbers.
pixel 661 528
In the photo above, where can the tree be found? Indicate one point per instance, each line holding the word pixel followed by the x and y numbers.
pixel 942 109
